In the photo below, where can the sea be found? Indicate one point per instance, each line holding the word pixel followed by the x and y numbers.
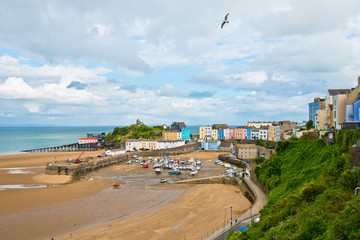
pixel 14 140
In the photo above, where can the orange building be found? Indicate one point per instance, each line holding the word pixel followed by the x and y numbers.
pixel 171 135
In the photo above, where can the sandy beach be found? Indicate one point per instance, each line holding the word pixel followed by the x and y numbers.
pixel 89 208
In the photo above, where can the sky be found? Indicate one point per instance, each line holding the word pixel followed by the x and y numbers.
pixel 108 63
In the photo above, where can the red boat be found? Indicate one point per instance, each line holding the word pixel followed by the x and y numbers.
pixel 145 165
pixel 116 184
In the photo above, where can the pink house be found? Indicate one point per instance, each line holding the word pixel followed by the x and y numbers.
pixel 231 133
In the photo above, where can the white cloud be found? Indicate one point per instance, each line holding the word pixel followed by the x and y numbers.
pixel 247 78
pixel 17 88
pixel 277 77
pixel 7 115
pixel 32 107
pixel 271 58
pixel 98 30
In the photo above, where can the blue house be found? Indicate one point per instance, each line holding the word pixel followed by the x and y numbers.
pixel 248 133
pixel 210 145
pixel 185 134
pixel 220 134
pixel 314 106
pixel 356 111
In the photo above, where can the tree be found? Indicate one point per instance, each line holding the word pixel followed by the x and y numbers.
pixel 309 124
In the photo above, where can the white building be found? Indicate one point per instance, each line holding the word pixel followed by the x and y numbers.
pixel 179 136
pixel 226 133
pixel 263 133
pixel 149 144
pixel 132 145
pixel 135 144
pixel 170 144
pixel 255 134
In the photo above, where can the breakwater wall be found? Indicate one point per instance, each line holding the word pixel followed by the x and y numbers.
pixel 247 191
pixel 64 167
pixel 244 164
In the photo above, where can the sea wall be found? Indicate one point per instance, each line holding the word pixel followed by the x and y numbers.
pixel 187 148
pixel 243 164
pixel 239 182
pixel 90 164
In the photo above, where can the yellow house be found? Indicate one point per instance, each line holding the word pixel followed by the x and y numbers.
pixel 205 132
pixel 214 134
pixel 170 135
pixel 272 133
pixel 202 132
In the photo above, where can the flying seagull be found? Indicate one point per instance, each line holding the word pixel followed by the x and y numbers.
pixel 225 21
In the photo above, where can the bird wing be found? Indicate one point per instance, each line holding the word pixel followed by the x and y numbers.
pixel 222 25
pixel 226 16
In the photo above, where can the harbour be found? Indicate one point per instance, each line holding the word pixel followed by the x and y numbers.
pixel 140 195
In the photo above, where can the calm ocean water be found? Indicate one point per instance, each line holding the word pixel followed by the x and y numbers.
pixel 15 139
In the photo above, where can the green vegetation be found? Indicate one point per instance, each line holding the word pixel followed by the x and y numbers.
pixel 311 191
pixel 309 124
pixel 134 132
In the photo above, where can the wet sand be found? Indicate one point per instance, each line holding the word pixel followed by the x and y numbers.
pixel 141 208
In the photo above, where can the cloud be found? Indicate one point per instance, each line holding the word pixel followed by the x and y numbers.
pixel 237 80
pixel 201 94
pixel 7 115
pixel 170 91
pixel 77 85
pixel 32 107
pixel 126 62
pixel 17 88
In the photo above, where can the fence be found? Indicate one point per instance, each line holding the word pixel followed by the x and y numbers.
pixel 224 229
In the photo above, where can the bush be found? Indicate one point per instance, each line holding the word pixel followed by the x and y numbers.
pixel 311 191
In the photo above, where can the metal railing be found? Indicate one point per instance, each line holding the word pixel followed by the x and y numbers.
pixel 224 227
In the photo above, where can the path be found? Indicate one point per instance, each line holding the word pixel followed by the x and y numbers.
pixel 261 200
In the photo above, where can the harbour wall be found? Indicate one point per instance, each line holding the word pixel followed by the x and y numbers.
pixel 247 191
pixel 89 164
pixel 244 164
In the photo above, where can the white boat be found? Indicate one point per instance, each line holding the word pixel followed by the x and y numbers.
pixel 193 173
pixel 162 180
pixel 158 170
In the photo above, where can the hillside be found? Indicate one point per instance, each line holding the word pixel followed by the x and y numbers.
pixel 311 191
pixel 134 132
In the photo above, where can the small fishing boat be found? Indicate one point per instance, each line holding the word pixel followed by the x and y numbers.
pixel 116 185
pixel 162 180
pixel 193 173
pixel 145 165
pixel 173 172
pixel 158 170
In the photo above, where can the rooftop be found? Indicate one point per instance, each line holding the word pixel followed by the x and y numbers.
pixel 333 92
